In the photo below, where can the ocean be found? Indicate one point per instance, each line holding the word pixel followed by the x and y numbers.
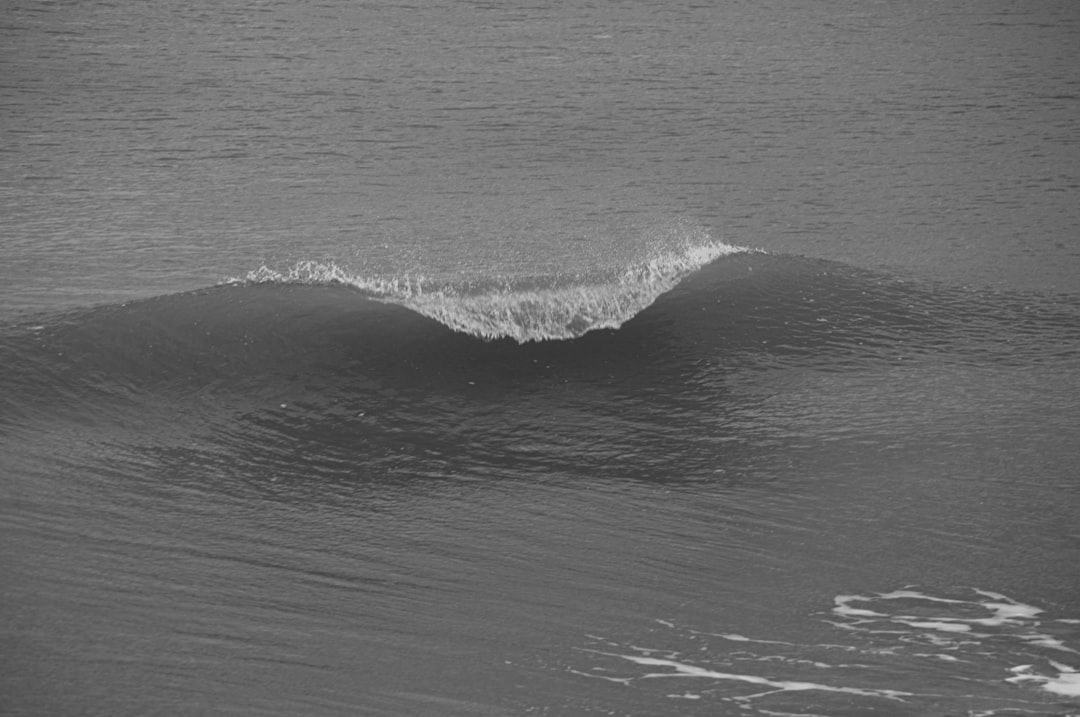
pixel 540 358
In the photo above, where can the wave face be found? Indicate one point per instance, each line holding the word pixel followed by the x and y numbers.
pixel 524 309
pixel 674 323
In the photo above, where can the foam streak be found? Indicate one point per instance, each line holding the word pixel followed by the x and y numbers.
pixel 684 670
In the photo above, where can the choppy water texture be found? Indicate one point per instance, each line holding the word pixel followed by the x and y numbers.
pixel 483 359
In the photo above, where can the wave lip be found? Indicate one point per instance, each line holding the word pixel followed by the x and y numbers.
pixel 536 309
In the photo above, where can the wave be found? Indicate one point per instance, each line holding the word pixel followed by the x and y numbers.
pixel 685 320
pixel 524 308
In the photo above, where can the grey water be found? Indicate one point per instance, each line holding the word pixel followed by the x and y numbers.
pixel 832 473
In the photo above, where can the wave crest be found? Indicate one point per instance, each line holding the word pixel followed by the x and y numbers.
pixel 523 309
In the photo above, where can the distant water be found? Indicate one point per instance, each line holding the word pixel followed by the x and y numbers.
pixel 494 358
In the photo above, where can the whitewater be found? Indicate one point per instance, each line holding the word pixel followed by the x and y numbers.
pixel 522 308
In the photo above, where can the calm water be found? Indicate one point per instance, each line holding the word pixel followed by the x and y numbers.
pixel 509 358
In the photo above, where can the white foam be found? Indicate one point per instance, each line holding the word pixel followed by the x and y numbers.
pixel 1005 611
pixel 684 670
pixel 843 607
pixel 963 637
pixel 743 638
pixel 942 625
pixel 946 658
pixel 563 310
pixel 913 595
pixel 328 272
pixel 1065 683
pixel 1047 641
pixel 1007 619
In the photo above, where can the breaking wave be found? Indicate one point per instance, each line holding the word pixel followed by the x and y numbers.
pixel 522 308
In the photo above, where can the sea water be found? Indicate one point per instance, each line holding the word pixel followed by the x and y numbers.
pixel 466 358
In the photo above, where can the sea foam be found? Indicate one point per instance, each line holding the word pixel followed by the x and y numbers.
pixel 521 308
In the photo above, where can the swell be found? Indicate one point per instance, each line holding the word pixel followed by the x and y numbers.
pixel 258 344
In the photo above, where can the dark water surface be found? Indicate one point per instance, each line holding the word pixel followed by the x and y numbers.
pixel 358 358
